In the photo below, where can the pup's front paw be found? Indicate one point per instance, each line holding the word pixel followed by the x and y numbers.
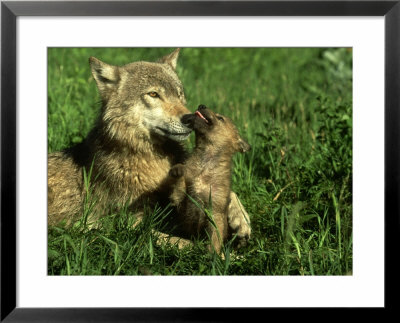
pixel 177 170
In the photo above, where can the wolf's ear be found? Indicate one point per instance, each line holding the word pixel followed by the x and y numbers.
pixel 105 75
pixel 171 59
pixel 243 145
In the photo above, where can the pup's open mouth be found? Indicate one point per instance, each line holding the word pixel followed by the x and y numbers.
pixel 198 113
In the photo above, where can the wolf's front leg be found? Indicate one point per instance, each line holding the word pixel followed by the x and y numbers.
pixel 238 220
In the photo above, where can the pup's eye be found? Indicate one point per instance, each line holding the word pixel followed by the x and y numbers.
pixel 220 118
pixel 154 94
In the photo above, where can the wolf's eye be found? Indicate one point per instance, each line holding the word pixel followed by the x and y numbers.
pixel 154 94
pixel 220 118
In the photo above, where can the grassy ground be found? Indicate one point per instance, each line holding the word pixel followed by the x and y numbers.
pixel 293 105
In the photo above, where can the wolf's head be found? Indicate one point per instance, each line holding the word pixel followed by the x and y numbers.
pixel 215 131
pixel 142 100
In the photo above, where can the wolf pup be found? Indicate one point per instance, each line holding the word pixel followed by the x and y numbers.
pixel 205 177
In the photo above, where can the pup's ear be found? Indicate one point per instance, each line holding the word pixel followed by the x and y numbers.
pixel 171 59
pixel 105 75
pixel 243 145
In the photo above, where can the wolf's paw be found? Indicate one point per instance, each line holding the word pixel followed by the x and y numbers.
pixel 239 221
pixel 177 170
pixel 242 230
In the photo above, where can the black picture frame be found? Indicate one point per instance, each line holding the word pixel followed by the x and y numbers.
pixel 10 10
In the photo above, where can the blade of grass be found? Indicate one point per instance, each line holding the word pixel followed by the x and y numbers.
pixel 338 225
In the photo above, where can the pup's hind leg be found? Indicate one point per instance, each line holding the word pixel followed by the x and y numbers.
pixel 219 233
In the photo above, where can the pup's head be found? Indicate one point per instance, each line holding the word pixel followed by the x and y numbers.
pixel 142 100
pixel 215 130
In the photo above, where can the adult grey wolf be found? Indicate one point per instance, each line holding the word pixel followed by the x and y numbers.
pixel 138 137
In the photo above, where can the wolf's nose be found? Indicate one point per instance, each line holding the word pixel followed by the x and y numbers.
pixel 202 107
pixel 187 119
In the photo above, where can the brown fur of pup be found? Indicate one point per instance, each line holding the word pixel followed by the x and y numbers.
pixel 207 174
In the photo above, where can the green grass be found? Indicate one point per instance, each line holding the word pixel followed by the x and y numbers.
pixel 293 105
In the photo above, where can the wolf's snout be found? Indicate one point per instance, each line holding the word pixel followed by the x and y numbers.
pixel 188 119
